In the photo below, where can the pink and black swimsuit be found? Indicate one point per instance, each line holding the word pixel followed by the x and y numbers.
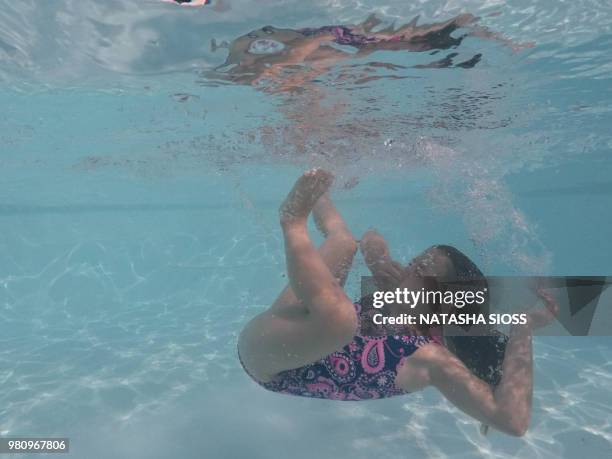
pixel 364 369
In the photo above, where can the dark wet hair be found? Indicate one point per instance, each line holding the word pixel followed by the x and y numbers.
pixel 483 355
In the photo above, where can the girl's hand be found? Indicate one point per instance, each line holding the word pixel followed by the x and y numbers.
pixel 393 270
pixel 390 271
pixel 386 271
pixel 542 317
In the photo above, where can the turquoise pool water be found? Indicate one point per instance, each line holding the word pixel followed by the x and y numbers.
pixel 138 217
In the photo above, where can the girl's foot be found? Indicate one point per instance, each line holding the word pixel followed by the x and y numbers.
pixel 305 193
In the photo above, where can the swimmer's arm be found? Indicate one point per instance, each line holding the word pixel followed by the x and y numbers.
pixel 507 409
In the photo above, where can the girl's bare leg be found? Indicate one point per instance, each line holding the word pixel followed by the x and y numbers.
pixel 314 317
pixel 340 246
pixel 337 251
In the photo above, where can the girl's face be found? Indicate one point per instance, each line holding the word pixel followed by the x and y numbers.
pixel 428 270
pixel 431 263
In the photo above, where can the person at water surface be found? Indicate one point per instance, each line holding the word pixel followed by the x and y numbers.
pixel 265 53
pixel 308 343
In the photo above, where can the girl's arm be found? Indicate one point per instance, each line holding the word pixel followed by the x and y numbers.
pixel 508 407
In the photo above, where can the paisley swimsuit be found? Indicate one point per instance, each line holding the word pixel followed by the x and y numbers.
pixel 364 369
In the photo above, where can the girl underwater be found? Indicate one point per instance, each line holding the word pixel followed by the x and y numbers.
pixel 308 343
